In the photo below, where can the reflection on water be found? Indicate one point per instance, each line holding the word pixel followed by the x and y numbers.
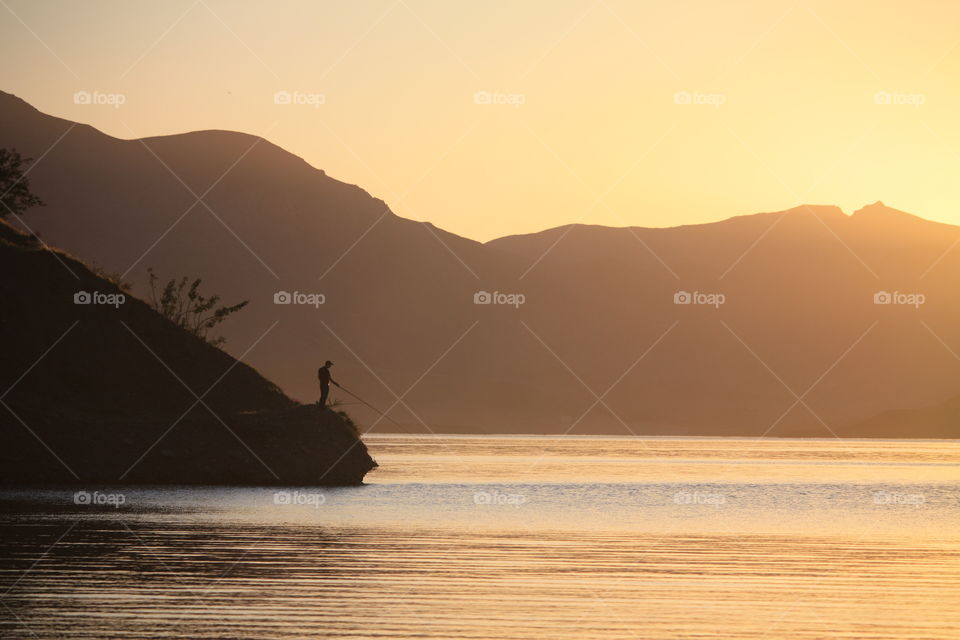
pixel 612 459
pixel 510 538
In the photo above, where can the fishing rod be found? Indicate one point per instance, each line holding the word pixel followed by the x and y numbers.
pixel 371 406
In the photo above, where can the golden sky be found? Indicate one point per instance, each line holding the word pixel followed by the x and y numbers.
pixel 499 117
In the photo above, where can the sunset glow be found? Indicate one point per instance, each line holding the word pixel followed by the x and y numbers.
pixel 789 100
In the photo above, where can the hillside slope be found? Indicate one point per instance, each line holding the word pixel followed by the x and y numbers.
pixel 107 393
pixel 398 293
pixel 797 348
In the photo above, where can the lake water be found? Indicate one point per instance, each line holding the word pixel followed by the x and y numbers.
pixel 510 537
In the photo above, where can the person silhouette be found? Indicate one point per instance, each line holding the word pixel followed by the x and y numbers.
pixel 323 374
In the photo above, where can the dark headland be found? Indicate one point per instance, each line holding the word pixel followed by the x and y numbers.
pixel 101 393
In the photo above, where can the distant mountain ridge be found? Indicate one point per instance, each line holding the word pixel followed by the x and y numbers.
pixel 399 319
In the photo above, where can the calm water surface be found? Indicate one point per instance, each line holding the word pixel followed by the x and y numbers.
pixel 510 537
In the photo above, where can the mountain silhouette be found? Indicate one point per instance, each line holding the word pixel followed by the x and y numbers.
pixel 797 347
